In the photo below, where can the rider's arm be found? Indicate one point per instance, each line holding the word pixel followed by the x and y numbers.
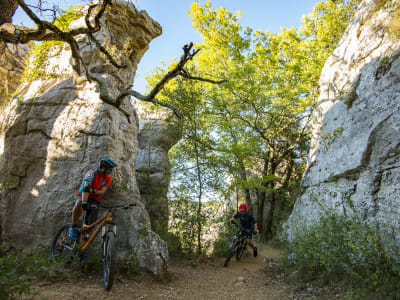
pixel 85 194
pixel 104 187
pixel 101 192
pixel 234 217
pixel 254 224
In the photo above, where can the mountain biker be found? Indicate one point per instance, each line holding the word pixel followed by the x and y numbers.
pixel 94 185
pixel 248 223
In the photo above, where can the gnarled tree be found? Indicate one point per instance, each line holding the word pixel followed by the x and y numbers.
pixel 47 31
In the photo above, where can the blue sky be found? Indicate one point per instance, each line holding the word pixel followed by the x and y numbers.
pixel 172 15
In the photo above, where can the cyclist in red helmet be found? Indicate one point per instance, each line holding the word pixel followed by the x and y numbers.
pixel 247 222
pixel 94 185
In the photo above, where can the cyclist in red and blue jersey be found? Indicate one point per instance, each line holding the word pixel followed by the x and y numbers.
pixel 94 185
pixel 247 222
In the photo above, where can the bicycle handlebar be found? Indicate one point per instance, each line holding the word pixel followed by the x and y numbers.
pixel 122 206
pixel 244 229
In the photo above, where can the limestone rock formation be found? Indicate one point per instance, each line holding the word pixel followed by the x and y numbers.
pixel 158 132
pixel 12 64
pixel 354 165
pixel 58 129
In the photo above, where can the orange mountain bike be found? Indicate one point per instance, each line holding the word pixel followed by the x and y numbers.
pixel 64 250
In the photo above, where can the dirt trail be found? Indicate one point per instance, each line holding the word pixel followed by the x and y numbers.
pixel 240 280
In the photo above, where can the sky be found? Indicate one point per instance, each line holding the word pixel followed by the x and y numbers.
pixel 172 15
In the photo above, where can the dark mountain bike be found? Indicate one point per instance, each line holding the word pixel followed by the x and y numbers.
pixel 64 250
pixel 238 245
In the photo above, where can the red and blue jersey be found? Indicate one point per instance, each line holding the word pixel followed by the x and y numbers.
pixel 97 181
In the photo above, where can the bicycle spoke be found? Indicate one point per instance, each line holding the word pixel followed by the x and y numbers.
pixel 62 249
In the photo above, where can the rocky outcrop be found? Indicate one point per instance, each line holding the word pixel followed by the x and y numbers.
pixel 12 64
pixel 158 132
pixel 354 162
pixel 58 129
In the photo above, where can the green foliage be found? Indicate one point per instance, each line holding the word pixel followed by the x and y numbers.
pixel 226 232
pixel 18 270
pixel 394 25
pixel 327 139
pixel 129 266
pixel 379 4
pixel 41 52
pixel 184 222
pixel 253 129
pixel 348 251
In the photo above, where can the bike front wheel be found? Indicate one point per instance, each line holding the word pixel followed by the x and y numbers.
pixel 231 252
pixel 62 248
pixel 108 259
pixel 240 251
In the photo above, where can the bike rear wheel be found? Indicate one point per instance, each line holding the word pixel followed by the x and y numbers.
pixel 62 248
pixel 108 259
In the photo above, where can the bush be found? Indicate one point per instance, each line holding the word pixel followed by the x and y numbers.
pixel 18 270
pixel 348 251
pixel 226 233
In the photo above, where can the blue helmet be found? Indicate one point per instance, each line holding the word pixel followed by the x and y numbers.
pixel 107 163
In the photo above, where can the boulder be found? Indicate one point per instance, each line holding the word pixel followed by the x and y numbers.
pixel 354 164
pixel 60 127
pixel 158 132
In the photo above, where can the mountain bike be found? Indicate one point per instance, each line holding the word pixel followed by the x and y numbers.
pixel 238 245
pixel 63 250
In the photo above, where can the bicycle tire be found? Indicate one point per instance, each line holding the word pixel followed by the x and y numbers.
pixel 62 250
pixel 240 251
pixel 231 251
pixel 108 247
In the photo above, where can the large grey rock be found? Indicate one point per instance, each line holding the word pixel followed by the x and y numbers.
pixel 57 130
pixel 158 132
pixel 354 161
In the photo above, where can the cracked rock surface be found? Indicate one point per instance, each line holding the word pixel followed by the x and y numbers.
pixel 360 101
pixel 57 130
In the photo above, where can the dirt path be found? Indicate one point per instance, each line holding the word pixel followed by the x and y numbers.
pixel 240 280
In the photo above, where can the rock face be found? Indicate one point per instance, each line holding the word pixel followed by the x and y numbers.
pixel 354 165
pixel 57 130
pixel 158 132
pixel 12 64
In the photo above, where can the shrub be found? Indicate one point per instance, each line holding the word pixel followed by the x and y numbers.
pixel 226 233
pixel 19 269
pixel 348 251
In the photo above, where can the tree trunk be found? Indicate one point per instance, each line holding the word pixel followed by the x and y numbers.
pixel 199 199
pixel 268 234
pixel 243 177
pixel 7 10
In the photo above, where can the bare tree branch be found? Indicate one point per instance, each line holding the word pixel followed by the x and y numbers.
pixel 47 31
pixel 185 74
pixel 188 54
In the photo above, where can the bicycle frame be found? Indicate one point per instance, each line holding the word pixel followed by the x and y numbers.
pixel 84 245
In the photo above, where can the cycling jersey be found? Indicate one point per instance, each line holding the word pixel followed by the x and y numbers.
pixel 246 221
pixel 97 180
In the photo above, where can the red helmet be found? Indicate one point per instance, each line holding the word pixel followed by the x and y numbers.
pixel 243 207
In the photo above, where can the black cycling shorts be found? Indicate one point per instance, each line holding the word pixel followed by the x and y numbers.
pixel 90 215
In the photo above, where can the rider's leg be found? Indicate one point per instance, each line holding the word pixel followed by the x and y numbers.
pixel 76 214
pixel 77 211
pixel 250 242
